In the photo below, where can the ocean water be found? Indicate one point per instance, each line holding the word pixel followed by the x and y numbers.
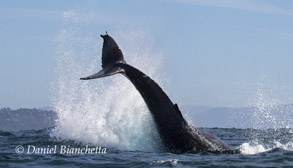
pixel 259 148
pixel 105 122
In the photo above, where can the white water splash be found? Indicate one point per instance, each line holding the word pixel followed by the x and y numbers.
pixel 108 112
pixel 268 109
pixel 264 103
pixel 248 148
pixel 254 148
pixel 268 118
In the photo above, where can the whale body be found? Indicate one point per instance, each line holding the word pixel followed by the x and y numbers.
pixel 176 134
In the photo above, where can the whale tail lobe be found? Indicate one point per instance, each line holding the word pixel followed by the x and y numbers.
pixel 111 55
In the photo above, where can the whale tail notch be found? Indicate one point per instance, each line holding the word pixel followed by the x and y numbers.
pixel 111 55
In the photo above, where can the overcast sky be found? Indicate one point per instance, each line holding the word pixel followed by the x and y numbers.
pixel 214 52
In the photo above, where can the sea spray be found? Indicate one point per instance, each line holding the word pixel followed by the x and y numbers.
pixel 108 112
pixel 269 119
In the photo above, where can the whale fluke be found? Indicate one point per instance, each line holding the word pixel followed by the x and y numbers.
pixel 111 52
pixel 108 71
pixel 176 134
pixel 111 55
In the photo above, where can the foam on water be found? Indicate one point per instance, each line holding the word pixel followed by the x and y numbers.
pixel 247 148
pixel 173 162
pixel 109 111
pixel 254 148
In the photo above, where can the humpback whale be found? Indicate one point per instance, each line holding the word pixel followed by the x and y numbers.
pixel 177 135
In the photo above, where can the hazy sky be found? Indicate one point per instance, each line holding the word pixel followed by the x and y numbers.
pixel 215 52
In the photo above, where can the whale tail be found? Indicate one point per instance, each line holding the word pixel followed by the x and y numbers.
pixel 111 55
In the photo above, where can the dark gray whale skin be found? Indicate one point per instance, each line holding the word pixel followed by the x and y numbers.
pixel 176 134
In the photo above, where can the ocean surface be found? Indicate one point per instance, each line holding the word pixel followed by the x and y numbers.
pixel 259 148
pixel 105 122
